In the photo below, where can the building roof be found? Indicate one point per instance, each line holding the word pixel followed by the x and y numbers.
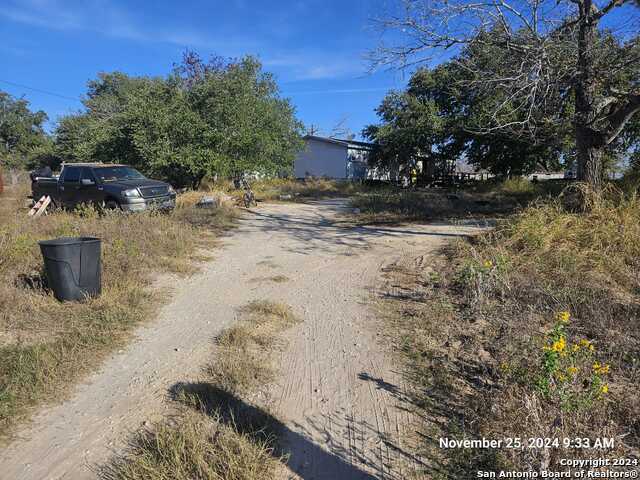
pixel 325 139
pixel 337 141
pixel 356 143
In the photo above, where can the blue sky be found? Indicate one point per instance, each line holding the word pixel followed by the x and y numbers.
pixel 314 47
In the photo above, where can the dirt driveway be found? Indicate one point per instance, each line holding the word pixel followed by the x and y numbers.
pixel 342 420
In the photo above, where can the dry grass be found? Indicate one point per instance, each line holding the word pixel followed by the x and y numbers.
pixel 294 190
pixel 195 446
pixel 212 218
pixel 46 345
pixel 12 200
pixel 244 361
pixel 471 331
pixel 392 205
pixel 216 434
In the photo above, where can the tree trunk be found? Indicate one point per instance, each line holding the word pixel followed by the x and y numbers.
pixel 589 157
pixel 589 144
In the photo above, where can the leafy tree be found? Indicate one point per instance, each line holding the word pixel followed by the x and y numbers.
pixel 205 118
pixel 104 132
pixel 555 59
pixel 255 128
pixel 23 141
pixel 435 120
pixel 631 144
pixel 491 129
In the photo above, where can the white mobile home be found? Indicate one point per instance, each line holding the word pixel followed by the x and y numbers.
pixel 331 158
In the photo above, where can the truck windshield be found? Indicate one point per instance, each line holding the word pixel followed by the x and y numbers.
pixel 113 174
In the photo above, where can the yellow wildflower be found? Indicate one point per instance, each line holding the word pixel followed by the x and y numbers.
pixel 604 388
pixel 559 345
pixel 563 317
pixel 600 368
pixel 488 264
pixel 572 370
pixel 575 347
pixel 587 344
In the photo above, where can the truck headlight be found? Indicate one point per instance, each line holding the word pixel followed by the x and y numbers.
pixel 131 193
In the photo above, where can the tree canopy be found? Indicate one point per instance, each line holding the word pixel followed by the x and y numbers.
pixel 437 118
pixel 22 136
pixel 528 68
pixel 205 118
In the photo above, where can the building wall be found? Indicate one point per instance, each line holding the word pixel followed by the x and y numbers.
pixel 321 159
pixel 357 166
pixel 546 176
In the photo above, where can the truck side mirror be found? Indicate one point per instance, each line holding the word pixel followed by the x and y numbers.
pixel 87 182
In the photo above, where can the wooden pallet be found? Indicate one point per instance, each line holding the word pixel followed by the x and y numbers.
pixel 41 206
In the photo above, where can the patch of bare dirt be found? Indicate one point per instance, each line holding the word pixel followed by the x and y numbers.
pixel 339 395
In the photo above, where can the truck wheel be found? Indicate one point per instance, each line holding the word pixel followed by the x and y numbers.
pixel 111 205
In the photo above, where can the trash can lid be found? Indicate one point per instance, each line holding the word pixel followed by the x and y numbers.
pixel 67 241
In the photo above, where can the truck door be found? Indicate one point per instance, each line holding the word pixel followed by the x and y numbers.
pixel 88 192
pixel 70 186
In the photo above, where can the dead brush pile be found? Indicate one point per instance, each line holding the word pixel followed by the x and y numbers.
pixel 45 345
pixel 531 331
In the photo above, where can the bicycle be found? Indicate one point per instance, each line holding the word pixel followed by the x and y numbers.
pixel 248 197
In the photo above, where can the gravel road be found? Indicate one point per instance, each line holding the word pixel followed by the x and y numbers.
pixel 337 395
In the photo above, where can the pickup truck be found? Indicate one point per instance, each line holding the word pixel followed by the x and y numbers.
pixel 104 185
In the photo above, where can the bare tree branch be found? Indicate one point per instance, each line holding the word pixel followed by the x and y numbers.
pixel 548 53
pixel 619 117
pixel 597 15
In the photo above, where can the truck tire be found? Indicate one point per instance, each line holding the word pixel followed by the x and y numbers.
pixel 112 205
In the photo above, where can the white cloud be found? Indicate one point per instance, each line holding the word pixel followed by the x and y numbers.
pixel 329 70
pixel 31 18
pixel 106 18
pixel 93 15
pixel 316 65
pixel 330 91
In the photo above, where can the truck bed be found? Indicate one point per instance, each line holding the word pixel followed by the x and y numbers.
pixel 44 186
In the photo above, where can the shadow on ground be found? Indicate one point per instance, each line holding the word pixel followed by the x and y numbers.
pixel 253 420
pixel 327 228
pixel 446 388
pixel 388 456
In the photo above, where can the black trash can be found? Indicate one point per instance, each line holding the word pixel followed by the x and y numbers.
pixel 73 267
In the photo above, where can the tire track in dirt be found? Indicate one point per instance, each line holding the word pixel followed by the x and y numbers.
pixel 338 393
pixel 349 406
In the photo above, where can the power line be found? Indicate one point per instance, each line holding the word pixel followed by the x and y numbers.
pixel 338 91
pixel 53 94
pixel 308 92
